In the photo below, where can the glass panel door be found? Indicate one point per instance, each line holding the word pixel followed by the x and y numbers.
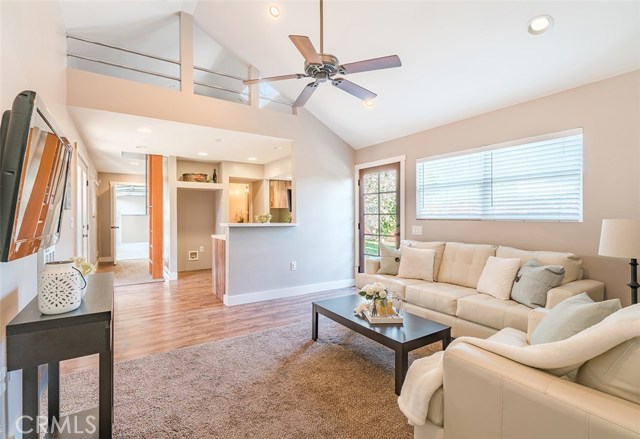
pixel 379 210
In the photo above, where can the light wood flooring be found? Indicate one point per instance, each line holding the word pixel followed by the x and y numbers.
pixel 160 317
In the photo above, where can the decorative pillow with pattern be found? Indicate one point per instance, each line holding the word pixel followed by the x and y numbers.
pixel 534 281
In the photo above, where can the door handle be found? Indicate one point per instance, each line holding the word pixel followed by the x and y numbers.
pixel 115 227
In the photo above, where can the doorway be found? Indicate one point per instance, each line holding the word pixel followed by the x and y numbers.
pixel 379 210
pixel 130 222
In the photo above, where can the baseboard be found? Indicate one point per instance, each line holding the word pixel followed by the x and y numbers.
pixel 169 275
pixel 240 299
pixel 105 259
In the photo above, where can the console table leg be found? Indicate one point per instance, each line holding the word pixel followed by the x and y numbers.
pixel 106 395
pixel 314 323
pixel 30 403
pixel 402 364
pixel 53 393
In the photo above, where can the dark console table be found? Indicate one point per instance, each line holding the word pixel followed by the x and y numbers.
pixel 34 339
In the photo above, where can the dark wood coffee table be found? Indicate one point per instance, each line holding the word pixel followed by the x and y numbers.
pixel 414 333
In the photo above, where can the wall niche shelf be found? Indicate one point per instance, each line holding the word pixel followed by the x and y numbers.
pixel 200 186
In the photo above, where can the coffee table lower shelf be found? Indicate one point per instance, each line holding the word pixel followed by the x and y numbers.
pixel 414 333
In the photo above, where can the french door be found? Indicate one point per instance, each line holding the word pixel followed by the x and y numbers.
pixel 379 222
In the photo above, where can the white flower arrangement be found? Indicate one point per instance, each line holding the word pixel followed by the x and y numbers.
pixel 86 268
pixel 375 291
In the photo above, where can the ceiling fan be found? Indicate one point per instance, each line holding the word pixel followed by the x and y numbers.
pixel 323 67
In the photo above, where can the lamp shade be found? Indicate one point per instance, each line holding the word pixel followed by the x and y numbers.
pixel 620 238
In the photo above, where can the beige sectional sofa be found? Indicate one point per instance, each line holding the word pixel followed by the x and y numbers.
pixel 452 298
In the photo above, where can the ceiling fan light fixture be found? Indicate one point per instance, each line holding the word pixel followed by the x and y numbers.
pixel 368 103
pixel 540 25
pixel 274 11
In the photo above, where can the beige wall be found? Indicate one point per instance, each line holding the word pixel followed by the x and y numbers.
pixel 196 224
pixel 104 208
pixel 609 113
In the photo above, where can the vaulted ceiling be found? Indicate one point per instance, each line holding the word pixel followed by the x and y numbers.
pixel 459 58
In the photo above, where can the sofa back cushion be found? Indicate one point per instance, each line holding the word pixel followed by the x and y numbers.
pixel 615 372
pixel 438 246
pixel 572 264
pixel 462 264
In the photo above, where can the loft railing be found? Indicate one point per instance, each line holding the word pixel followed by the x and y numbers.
pixel 232 87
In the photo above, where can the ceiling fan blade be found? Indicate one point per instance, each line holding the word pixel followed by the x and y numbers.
pixel 386 62
pixel 306 94
pixel 273 78
pixel 304 45
pixel 354 89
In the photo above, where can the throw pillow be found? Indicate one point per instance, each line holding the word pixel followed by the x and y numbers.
pixel 389 260
pixel 615 372
pixel 534 281
pixel 571 316
pixel 417 263
pixel 497 277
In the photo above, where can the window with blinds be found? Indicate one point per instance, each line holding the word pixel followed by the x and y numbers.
pixel 536 179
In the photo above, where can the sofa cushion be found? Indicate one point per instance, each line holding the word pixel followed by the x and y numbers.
pixel 437 296
pixel 572 264
pixel 389 260
pixel 495 313
pixel 534 282
pixel 615 372
pixel 571 316
pixel 438 246
pixel 497 277
pixel 462 264
pixel 417 263
pixel 392 283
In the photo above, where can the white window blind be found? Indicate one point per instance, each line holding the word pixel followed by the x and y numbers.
pixel 539 180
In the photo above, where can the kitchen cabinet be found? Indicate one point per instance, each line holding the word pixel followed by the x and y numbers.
pixel 278 194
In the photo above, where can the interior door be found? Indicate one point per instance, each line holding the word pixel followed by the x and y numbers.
pixel 115 224
pixel 83 205
pixel 379 222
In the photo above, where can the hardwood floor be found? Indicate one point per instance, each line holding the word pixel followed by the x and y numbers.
pixel 160 317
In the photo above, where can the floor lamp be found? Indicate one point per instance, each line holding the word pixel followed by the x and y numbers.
pixel 620 238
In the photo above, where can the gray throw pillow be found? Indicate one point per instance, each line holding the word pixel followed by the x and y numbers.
pixel 534 281
pixel 571 316
pixel 389 260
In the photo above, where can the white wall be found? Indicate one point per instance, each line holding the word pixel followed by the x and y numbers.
pixel 322 243
pixel 608 112
pixel 32 57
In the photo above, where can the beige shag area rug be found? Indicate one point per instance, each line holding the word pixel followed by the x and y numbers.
pixel 132 272
pixel 273 384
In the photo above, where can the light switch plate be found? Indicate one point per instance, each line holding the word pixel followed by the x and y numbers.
pixel 416 230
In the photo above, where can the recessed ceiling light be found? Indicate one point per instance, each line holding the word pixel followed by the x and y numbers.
pixel 274 11
pixel 134 163
pixel 144 130
pixel 277 147
pixel 252 159
pixel 540 25
pixel 220 140
pixel 142 147
pixel 203 154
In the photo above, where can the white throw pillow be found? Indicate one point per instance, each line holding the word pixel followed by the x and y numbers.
pixel 498 276
pixel 417 263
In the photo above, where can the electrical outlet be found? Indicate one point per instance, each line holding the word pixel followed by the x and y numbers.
pixel 416 230
pixel 293 266
pixel 201 248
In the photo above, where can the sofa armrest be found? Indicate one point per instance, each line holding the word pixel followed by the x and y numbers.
pixel 490 396
pixel 594 288
pixel 371 265
pixel 535 317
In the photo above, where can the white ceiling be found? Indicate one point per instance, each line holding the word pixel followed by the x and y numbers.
pixel 110 134
pixel 459 58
